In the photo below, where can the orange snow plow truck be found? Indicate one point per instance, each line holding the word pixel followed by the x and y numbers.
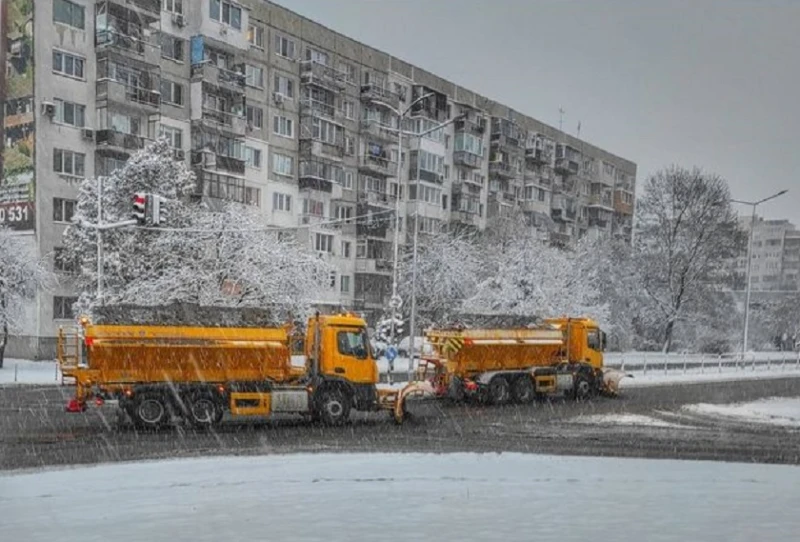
pixel 156 374
pixel 563 356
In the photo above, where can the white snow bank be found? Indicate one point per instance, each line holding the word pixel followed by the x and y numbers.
pixel 623 419
pixel 775 411
pixel 330 497
pixel 20 371
pixel 692 377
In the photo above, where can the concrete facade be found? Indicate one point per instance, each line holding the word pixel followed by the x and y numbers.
pixel 775 263
pixel 276 111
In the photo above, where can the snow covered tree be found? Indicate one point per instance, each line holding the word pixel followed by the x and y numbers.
pixel 226 256
pixel 687 236
pixel 21 273
pixel 448 270
pixel 535 279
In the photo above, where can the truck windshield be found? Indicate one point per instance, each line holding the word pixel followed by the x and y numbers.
pixel 353 343
pixel 593 339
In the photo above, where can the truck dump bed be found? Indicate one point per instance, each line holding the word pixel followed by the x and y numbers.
pixel 470 351
pixel 118 354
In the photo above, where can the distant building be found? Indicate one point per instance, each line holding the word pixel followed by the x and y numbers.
pixel 775 256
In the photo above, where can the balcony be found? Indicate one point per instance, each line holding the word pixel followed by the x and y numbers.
pixel 379 266
pixel 224 121
pixel 601 201
pixel 379 199
pixel 148 10
pixel 374 93
pixel 120 93
pixel 503 141
pixel 537 156
pixel 501 169
pixel 120 142
pixel 474 125
pixel 316 108
pixel 311 148
pixel 563 214
pixel 110 42
pixel 379 131
pixel 314 73
pixel 596 222
pixel 466 218
pixel 226 80
pixel 566 166
pixel 467 159
pixel 378 166
pixel 230 164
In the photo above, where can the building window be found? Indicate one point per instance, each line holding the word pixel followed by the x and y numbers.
pixel 63 263
pixel 68 64
pixel 252 157
pixel 284 86
pixel 171 92
pixel 348 180
pixel 284 47
pixel 349 145
pixel 62 307
pixel 68 162
pixel 282 126
pixel 63 209
pixel 173 6
pixel 171 47
pixel 226 13
pixel 281 202
pixel 252 196
pixel 344 214
pixel 345 284
pixel 254 76
pixel 174 135
pixel 345 249
pixel 349 72
pixel 255 36
pixel 317 56
pixel 123 124
pixel 255 117
pixel 323 242
pixel 69 13
pixel 313 207
pixel 70 113
pixel 282 164
pixel 349 109
pixel 326 131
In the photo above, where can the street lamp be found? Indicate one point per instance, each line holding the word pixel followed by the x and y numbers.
pixel 395 299
pixel 754 204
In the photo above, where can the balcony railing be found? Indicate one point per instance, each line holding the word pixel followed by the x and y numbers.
pixel 601 201
pixel 566 166
pixel 229 163
pixel 118 92
pixel 374 93
pixel 467 159
pixel 376 198
pixel 226 120
pixel 112 40
pixel 316 108
pixel 232 81
pixel 538 156
pixel 501 169
pixel 380 166
pixel 120 140
pixel 314 73
pixel 476 126
pixel 378 130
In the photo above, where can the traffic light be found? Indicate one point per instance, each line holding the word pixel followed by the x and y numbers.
pixel 155 209
pixel 140 207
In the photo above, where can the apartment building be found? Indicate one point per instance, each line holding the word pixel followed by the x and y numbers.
pixel 275 111
pixel 775 264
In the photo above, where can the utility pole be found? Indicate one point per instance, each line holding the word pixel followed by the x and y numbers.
pixel 99 239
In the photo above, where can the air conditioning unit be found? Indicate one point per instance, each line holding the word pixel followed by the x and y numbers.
pixel 49 109
pixel 88 134
pixel 277 97
pixel 178 20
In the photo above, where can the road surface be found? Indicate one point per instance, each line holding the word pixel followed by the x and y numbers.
pixel 36 432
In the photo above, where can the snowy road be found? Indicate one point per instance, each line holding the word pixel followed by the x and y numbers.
pixel 35 431
pixel 331 497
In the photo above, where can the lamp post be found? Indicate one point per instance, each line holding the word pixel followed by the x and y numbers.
pixel 395 299
pixel 748 280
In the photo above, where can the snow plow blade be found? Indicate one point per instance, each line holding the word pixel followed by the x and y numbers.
pixel 611 379
pixel 423 389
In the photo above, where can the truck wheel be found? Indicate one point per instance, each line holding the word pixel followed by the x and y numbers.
pixel 522 390
pixel 150 411
pixel 499 391
pixel 456 390
pixel 333 406
pixel 204 410
pixel 583 388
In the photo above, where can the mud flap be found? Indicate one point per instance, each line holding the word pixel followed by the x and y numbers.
pixel 413 389
pixel 611 379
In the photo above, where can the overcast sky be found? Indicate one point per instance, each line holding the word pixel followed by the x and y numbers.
pixel 696 82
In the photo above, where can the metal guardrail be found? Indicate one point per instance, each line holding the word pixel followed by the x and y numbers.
pixel 645 362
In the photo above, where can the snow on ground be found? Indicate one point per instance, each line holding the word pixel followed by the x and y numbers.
pixel 20 371
pixel 781 411
pixel 330 497
pixel 675 376
pixel 623 419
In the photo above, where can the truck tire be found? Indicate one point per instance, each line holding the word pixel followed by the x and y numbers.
pixel 583 388
pixel 333 406
pixel 499 393
pixel 149 410
pixel 522 390
pixel 455 390
pixel 205 410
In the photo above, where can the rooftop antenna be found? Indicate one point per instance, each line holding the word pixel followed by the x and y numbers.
pixel 560 119
pixel 579 130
